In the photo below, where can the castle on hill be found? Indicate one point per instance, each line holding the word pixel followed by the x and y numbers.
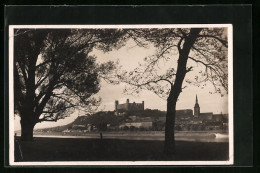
pixel 126 107
pixel 133 116
pixel 181 115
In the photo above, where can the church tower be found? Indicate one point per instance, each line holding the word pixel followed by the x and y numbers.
pixel 196 108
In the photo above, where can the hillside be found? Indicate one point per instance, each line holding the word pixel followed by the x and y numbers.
pixel 56 129
pixel 100 118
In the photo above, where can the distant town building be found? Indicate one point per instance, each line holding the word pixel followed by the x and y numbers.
pixel 133 118
pixel 205 116
pixel 213 125
pixel 143 124
pixel 218 117
pixel 184 114
pixel 125 107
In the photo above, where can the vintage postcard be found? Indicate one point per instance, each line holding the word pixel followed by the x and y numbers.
pixel 121 94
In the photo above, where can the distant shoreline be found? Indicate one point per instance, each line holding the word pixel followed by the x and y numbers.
pixel 133 132
pixel 129 133
pixel 146 135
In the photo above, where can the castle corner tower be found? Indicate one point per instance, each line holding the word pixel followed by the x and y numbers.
pixel 116 104
pixel 196 108
pixel 127 104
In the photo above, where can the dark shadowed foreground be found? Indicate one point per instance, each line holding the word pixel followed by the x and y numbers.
pixel 57 149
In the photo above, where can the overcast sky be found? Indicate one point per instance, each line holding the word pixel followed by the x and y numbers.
pixel 129 56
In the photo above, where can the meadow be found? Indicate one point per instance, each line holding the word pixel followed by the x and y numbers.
pixel 80 149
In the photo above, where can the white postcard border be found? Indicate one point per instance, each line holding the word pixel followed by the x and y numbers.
pixel 130 163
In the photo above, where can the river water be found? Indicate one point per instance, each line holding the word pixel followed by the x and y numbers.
pixel 159 137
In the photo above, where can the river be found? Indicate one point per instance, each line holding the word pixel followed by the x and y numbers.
pixel 188 136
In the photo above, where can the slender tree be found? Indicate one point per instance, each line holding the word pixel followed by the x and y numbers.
pixel 164 72
pixel 54 73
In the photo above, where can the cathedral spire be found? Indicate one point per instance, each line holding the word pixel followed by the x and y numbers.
pixel 196 108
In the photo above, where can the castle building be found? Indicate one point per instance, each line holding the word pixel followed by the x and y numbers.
pixel 129 106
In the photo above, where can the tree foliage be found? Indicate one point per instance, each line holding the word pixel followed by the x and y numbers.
pixel 54 72
pixel 158 72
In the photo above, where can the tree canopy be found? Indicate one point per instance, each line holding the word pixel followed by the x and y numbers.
pixel 158 72
pixel 54 73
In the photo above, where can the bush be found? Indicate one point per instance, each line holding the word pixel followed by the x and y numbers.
pixel 132 128
pixel 125 128
pixel 142 129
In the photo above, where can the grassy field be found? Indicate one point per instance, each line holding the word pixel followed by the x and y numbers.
pixel 58 149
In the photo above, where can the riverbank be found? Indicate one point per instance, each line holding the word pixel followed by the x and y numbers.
pixel 128 133
pixel 138 135
pixel 68 149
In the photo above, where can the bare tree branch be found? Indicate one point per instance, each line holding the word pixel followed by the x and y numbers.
pixel 224 42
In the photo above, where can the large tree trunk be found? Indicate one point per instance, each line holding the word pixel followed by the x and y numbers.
pixel 169 144
pixel 176 89
pixel 27 126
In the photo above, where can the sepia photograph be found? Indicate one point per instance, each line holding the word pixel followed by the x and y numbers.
pixel 121 94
